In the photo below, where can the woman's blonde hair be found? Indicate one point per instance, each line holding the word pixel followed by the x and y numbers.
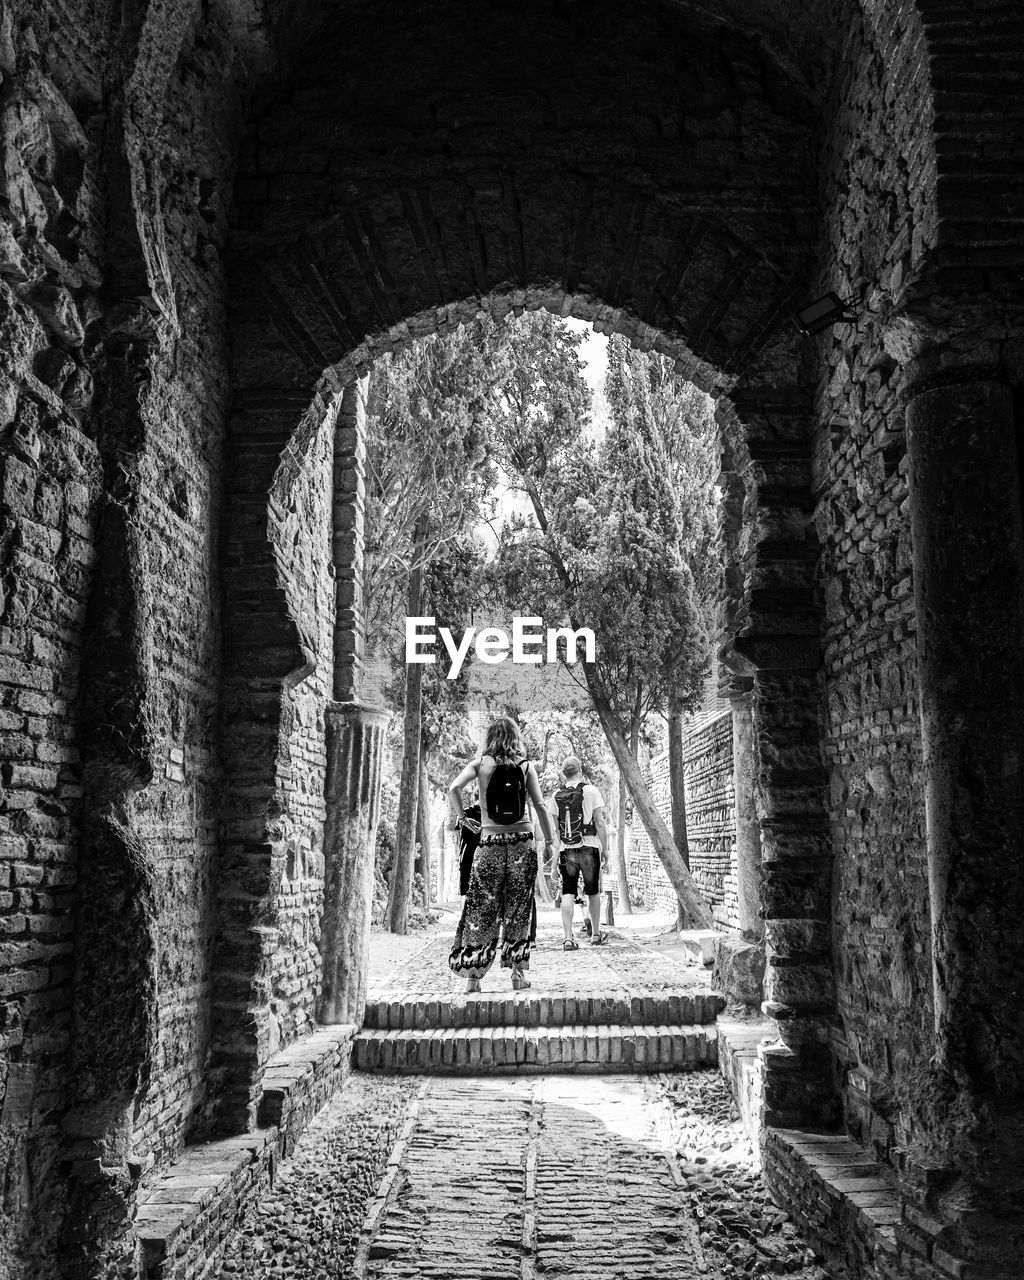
pixel 504 740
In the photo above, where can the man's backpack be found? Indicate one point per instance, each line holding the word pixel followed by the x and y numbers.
pixel 571 826
pixel 506 793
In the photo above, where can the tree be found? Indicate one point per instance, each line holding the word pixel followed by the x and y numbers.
pixel 428 475
pixel 604 549
pixel 409 792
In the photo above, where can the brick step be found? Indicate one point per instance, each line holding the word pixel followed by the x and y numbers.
pixel 598 1047
pixel 684 1007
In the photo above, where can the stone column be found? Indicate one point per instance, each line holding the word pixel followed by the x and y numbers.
pixel 355 742
pixel 349 500
pixel 968 556
pixel 355 738
pixel 777 648
pixel 748 829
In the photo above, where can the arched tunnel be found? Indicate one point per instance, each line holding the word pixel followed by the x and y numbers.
pixel 215 218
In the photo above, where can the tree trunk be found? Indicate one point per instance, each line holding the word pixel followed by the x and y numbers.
pixel 692 906
pixel 625 905
pixel 423 823
pixel 541 887
pixel 677 781
pixel 408 796
pixel 442 864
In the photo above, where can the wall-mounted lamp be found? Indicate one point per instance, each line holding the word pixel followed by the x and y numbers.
pixel 827 310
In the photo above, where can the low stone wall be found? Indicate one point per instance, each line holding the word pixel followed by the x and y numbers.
pixel 738 1062
pixel 301 1080
pixel 189 1208
pixel 189 1211
pixel 845 1202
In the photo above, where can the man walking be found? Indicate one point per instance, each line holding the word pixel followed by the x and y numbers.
pixel 578 811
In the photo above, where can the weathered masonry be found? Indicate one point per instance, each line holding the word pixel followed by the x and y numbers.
pixel 212 219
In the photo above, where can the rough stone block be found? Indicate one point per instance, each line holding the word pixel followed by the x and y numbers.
pixel 699 944
pixel 739 969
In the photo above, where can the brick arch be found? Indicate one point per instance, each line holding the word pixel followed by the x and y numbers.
pixel 354 236
pixel 292 636
pixel 663 166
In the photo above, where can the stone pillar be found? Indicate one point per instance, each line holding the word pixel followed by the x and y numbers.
pixel 968 556
pixel 355 743
pixel 347 539
pixel 777 645
pixel 355 738
pixel 748 829
pixel 796 894
pixel 740 960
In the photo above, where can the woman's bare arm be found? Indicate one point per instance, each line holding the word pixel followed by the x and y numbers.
pixel 455 796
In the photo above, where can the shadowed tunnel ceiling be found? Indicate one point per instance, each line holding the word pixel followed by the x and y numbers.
pixel 659 161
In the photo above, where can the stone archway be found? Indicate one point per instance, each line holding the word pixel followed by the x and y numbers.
pixel 698 246
pixel 370 277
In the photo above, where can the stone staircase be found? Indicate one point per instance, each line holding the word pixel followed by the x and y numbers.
pixel 664 1029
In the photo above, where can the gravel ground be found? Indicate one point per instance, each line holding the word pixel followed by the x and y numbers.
pixel 308 1226
pixel 743 1231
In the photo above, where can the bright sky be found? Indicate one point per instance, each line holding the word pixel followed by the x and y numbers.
pixel 593 352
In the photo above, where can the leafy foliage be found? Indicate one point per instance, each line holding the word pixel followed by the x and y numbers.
pixel 427 456
pixel 616 529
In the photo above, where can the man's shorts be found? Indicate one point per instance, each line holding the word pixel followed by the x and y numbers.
pixel 573 862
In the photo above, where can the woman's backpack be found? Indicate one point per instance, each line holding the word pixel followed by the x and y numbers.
pixel 506 792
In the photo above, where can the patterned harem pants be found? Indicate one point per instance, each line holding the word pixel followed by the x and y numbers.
pixel 501 887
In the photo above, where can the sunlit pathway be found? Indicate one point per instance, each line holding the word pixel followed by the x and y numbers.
pixel 514 1179
pixel 622 963
pixel 518 1177
pixel 549 1177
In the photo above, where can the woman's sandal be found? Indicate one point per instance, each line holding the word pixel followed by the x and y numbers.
pixel 599 939
pixel 519 982
pixel 472 986
pixel 570 944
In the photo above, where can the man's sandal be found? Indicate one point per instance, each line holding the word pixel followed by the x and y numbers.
pixel 599 939
pixel 570 944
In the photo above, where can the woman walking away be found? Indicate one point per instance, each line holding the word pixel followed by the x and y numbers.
pixel 501 884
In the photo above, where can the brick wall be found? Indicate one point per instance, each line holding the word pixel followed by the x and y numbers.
pixel 710 819
pixel 112 390
pixel 46 528
pixel 301 505
pixel 50 485
pixel 871 725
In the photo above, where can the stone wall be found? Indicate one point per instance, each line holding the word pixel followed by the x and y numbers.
pixel 871 719
pixel 301 505
pixel 113 391
pixel 710 822
pixel 52 478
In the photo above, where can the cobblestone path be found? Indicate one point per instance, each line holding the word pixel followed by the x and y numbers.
pixel 522 1178
pixel 527 1178
pixel 495 1178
